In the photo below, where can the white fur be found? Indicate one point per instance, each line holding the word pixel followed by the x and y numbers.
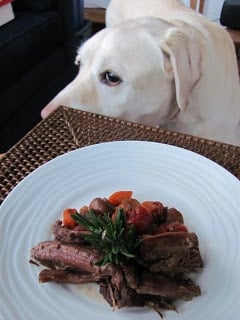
pixel 178 70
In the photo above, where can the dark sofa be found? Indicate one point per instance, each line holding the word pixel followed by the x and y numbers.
pixel 37 52
pixel 230 18
pixel 230 14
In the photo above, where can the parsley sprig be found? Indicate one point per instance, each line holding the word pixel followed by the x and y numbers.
pixel 114 239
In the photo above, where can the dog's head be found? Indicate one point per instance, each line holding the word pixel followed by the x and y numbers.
pixel 142 70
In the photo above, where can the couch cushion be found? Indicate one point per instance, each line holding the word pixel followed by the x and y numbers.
pixel 26 41
pixel 35 5
pixel 230 14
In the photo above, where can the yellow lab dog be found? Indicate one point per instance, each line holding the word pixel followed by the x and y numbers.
pixel 162 64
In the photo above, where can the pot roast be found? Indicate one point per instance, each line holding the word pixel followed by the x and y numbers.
pixel 157 277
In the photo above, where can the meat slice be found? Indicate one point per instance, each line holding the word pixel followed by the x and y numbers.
pixel 68 276
pixel 116 290
pixel 155 290
pixel 122 297
pixel 66 235
pixel 55 254
pixel 160 285
pixel 171 252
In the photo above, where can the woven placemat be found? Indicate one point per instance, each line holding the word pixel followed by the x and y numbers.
pixel 67 129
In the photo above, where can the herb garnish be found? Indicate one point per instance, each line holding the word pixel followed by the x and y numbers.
pixel 114 239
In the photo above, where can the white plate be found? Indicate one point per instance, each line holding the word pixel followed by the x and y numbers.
pixel 207 194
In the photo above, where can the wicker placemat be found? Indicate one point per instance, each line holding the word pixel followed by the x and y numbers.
pixel 67 129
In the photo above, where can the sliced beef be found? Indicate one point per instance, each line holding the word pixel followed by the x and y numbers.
pixel 171 252
pixel 132 275
pixel 67 276
pixel 161 285
pixel 122 297
pixel 66 235
pixel 117 292
pixel 55 254
pixel 156 290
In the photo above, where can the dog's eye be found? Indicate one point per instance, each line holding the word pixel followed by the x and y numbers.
pixel 78 62
pixel 110 78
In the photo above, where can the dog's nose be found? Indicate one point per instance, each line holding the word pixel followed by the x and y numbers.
pixel 49 108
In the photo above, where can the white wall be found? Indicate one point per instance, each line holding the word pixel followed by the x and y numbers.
pixel 212 8
pixel 95 3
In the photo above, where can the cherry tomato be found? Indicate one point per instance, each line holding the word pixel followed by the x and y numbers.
pixel 140 217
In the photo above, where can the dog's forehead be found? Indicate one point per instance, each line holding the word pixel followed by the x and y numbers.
pixel 120 47
pixel 121 40
pixel 132 32
pixel 92 43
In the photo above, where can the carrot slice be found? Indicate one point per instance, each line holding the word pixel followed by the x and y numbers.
pixel 68 221
pixel 117 197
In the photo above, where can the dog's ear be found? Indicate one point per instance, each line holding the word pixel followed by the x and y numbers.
pixel 183 61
